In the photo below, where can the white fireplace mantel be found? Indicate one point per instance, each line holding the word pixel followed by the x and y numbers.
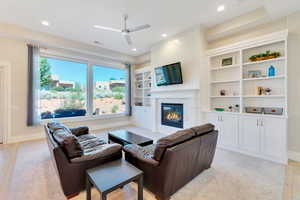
pixel 191 109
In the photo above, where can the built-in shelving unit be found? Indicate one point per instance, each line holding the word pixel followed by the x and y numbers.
pixel 142 87
pixel 245 83
pixel 238 82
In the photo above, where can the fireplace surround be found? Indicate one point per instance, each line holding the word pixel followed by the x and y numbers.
pixel 172 114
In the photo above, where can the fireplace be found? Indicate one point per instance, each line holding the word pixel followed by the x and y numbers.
pixel 172 115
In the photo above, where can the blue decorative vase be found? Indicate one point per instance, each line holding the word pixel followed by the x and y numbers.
pixel 271 71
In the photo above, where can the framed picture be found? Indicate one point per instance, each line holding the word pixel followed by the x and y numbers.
pixel 227 61
pixel 254 74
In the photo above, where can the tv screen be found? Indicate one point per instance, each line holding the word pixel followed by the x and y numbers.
pixel 168 74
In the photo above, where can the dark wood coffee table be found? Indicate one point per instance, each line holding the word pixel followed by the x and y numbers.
pixel 111 176
pixel 125 137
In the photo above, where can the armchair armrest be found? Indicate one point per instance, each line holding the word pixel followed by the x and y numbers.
pixel 81 130
pixel 143 154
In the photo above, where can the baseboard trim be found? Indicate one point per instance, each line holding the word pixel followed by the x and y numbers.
pixel 113 125
pixel 293 155
pixel 38 136
pixel 16 139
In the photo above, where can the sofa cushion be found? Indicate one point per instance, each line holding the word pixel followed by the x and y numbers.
pixel 81 130
pixel 86 137
pixel 67 141
pixel 91 144
pixel 171 140
pixel 55 125
pixel 144 154
pixel 98 151
pixel 200 130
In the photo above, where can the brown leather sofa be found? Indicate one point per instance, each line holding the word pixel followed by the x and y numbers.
pixel 73 151
pixel 174 160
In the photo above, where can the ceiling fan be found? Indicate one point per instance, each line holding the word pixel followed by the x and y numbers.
pixel 125 31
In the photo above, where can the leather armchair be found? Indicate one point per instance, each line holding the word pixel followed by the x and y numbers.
pixel 72 171
pixel 175 159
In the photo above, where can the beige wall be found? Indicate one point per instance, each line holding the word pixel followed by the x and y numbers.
pixel 14 51
pixel 188 48
pixel 292 23
pixel 259 30
pixel 139 66
pixel 47 40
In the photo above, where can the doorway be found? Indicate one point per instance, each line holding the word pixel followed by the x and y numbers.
pixel 2 96
pixel 5 102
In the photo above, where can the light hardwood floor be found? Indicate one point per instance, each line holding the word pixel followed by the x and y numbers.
pixel 26 172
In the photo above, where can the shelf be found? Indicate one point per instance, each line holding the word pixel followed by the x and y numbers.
pixel 264 61
pixel 264 78
pixel 226 81
pixel 225 97
pixel 264 96
pixel 225 67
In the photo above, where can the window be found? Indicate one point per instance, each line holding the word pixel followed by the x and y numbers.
pixel 62 88
pixel 65 90
pixel 109 90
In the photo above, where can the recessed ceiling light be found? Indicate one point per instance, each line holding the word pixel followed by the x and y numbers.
pixel 164 35
pixel 45 23
pixel 134 49
pixel 221 8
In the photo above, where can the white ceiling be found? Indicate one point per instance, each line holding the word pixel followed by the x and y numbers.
pixel 74 19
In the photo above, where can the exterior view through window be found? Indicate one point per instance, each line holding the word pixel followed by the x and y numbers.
pixel 109 90
pixel 63 89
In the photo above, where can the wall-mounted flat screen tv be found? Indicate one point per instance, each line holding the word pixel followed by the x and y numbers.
pixel 168 74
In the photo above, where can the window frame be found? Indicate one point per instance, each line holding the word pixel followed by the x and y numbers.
pixel 89 89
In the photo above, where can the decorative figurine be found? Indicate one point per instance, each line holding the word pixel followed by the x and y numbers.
pixel 271 71
pixel 222 92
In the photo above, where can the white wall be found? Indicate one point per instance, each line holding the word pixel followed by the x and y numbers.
pixel 292 23
pixel 188 48
pixel 14 51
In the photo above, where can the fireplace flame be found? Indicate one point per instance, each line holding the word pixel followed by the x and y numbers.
pixel 173 116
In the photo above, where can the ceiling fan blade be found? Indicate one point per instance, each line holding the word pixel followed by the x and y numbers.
pixel 128 39
pixel 139 28
pixel 107 28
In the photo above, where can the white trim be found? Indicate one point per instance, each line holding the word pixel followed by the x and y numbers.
pixel 89 79
pixel 83 60
pixel 119 57
pixel 293 155
pixel 24 138
pixel 100 126
pixel 246 44
pixel 7 101
pixel 85 118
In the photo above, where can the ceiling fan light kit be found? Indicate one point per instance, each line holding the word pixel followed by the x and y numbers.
pixel 125 31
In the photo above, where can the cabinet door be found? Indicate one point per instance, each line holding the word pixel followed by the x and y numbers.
pixel 273 137
pixel 249 139
pixel 229 133
pixel 214 118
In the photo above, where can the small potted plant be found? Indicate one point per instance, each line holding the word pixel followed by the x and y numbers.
pixel 264 56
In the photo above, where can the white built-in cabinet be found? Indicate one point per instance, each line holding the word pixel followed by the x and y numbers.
pixel 142 112
pixel 228 129
pixel 261 135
